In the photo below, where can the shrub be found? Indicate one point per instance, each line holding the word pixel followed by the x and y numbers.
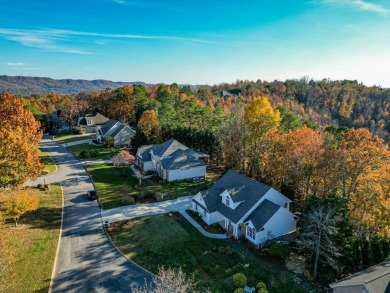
pixel 79 130
pixel 88 154
pixel 261 287
pixel 279 251
pixel 239 290
pixel 239 280
pixel 159 196
pixel 39 185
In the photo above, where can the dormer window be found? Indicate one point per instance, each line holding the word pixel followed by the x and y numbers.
pixel 227 201
pixel 89 122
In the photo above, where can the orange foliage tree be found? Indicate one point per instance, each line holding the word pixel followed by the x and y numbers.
pixel 19 135
pixel 17 202
pixel 150 127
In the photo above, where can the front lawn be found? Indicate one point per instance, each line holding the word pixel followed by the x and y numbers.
pixel 172 241
pixel 45 159
pixel 69 136
pixel 113 187
pixel 32 245
pixel 103 152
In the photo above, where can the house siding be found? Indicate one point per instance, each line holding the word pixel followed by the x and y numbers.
pixel 124 137
pixel 273 228
pixel 276 197
pixel 186 174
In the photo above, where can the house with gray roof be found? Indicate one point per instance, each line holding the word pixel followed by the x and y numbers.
pixel 375 279
pixel 120 132
pixel 90 121
pixel 172 160
pixel 245 207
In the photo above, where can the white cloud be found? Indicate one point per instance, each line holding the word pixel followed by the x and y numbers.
pixel 361 5
pixel 54 39
pixel 16 64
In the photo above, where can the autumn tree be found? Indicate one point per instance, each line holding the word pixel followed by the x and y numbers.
pixel 169 280
pixel 260 118
pixel 17 202
pixel 123 158
pixel 71 110
pixel 149 126
pixel 20 134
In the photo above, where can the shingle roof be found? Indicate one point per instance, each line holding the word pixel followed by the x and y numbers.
pixel 181 159
pixel 119 129
pixel 108 125
pixel 96 118
pixel 376 279
pixel 144 152
pixel 244 190
pixel 262 214
pixel 168 147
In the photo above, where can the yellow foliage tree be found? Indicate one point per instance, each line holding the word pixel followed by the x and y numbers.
pixel 260 118
pixel 17 202
pixel 19 135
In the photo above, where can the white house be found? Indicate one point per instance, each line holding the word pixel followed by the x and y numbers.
pixel 172 161
pixel 122 133
pixel 245 207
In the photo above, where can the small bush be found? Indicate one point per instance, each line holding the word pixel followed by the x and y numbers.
pixel 40 186
pixel 159 196
pixel 261 287
pixel 79 130
pixel 239 290
pixel 279 251
pixel 239 280
pixel 88 154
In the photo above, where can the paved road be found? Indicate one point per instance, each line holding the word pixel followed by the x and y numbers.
pixel 87 262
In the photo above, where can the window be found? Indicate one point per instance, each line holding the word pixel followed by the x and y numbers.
pixel 89 122
pixel 227 201
pixel 251 232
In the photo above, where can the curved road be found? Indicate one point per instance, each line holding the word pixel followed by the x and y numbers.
pixel 87 262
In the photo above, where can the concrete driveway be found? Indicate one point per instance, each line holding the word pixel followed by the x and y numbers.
pixel 87 262
pixel 140 210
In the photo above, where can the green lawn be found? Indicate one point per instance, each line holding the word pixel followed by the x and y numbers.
pixel 45 159
pixel 110 183
pixel 104 153
pixel 69 136
pixel 171 241
pixel 32 246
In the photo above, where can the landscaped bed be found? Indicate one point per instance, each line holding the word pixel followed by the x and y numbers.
pixel 118 189
pixel 215 228
pixel 32 245
pixel 165 240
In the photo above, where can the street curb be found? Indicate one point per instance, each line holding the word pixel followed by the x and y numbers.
pixel 120 252
pixel 59 242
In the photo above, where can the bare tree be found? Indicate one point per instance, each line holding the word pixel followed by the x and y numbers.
pixel 169 280
pixel 318 230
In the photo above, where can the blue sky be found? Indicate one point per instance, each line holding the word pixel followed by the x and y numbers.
pixel 196 42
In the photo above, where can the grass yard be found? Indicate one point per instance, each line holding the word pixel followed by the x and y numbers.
pixel 172 241
pixel 110 185
pixel 32 245
pixel 50 166
pixel 104 153
pixel 69 136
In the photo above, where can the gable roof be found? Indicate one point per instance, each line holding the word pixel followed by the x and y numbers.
pixel 244 190
pixel 168 147
pixel 261 215
pixel 181 159
pixel 108 125
pixel 375 279
pixel 95 118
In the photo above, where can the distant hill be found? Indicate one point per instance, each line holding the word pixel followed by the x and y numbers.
pixel 25 85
